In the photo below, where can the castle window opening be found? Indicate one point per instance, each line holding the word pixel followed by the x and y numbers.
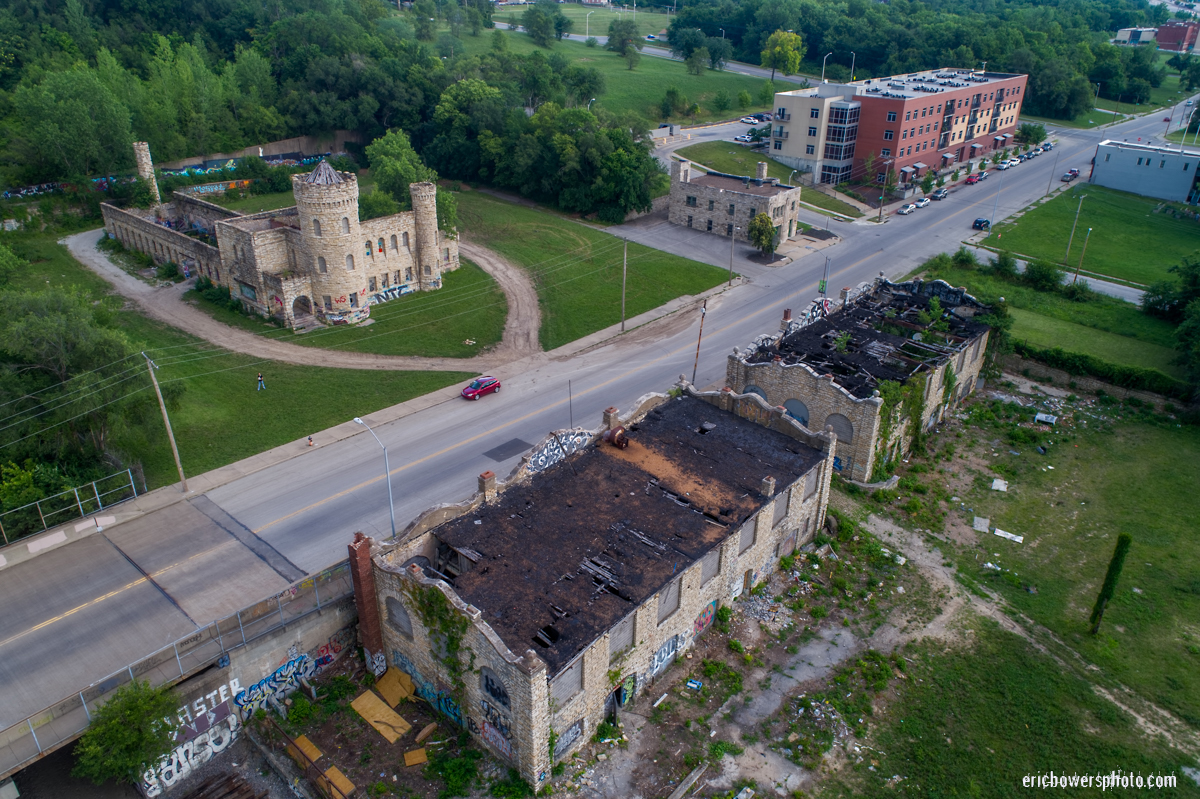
pixel 350 263
pixel 316 227
pixel 367 244
pixel 327 301
pixel 371 285
pixel 397 278
pixel 354 300
pixel 408 273
pixel 381 245
pixel 394 242
pixel 345 224
pixel 384 280
pixel 446 254
pixel 321 267
pixel 404 238
pixel 428 270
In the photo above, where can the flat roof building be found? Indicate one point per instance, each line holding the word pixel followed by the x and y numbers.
pixel 1136 36
pixel 907 123
pixel 1178 35
pixel 530 613
pixel 724 204
pixel 1163 172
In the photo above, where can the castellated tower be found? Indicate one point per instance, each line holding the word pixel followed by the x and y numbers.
pixel 145 168
pixel 327 203
pixel 424 202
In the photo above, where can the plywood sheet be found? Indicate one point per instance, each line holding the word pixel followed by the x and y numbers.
pixel 415 758
pixel 380 716
pixel 394 686
pixel 339 781
pixel 302 744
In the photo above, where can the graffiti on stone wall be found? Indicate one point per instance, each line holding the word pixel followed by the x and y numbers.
pixel 663 657
pixel 497 718
pixel 567 739
pixel 556 447
pixel 705 618
pixel 493 686
pixel 278 685
pixel 376 662
pixel 205 737
pixel 200 707
pixel 441 700
pixel 497 739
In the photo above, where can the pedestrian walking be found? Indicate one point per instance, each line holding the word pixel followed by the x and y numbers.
pixel 261 384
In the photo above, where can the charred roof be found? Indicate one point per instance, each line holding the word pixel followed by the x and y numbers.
pixel 556 562
pixel 889 333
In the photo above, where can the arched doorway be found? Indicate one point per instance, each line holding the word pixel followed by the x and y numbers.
pixel 302 311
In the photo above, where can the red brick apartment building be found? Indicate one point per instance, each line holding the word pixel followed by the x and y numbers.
pixel 909 123
pixel 1178 35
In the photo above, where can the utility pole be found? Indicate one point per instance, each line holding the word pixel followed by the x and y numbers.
pixel 732 236
pixel 853 61
pixel 1080 266
pixel 167 421
pixel 696 365
pixel 1067 257
pixel 824 282
pixel 1053 170
pixel 624 275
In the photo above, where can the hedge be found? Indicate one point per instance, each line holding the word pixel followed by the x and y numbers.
pixel 1131 377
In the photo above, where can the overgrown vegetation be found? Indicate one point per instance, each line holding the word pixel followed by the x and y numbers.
pixel 133 730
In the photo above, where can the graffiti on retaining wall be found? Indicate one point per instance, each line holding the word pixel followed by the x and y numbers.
pixel 328 652
pixel 567 739
pixel 497 718
pixel 663 657
pixel 278 685
pixel 441 700
pixel 705 618
pixel 213 733
pixel 493 686
pixel 200 707
pixel 556 447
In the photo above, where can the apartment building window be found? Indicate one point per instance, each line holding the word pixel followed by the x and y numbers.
pixel 1139 163
pixel 709 228
pixel 812 130
pixel 810 149
pixel 880 177
pixel 903 134
pixel 1185 166
pixel 891 116
pixel 841 133
pixel 778 145
pixel 1162 163
pixel 689 221
pixel 907 116
pixel 922 112
pixel 1108 157
pixel 814 113
pixel 691 202
pixel 888 135
pixel 885 152
pixel 839 152
pixel 729 230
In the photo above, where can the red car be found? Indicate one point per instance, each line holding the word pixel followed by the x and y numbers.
pixel 480 386
pixel 972 180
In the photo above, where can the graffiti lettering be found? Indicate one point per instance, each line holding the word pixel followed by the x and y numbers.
pixel 376 662
pixel 567 739
pixel 557 447
pixel 440 699
pixel 200 707
pixel 328 652
pixel 278 685
pixel 496 717
pixel 663 657
pixel 705 618
pixel 217 729
pixel 493 686
pixel 499 740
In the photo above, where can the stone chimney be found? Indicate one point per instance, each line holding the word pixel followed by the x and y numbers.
pixel 787 318
pixel 612 418
pixel 370 633
pixel 761 174
pixel 145 169
pixel 845 295
pixel 768 487
pixel 487 486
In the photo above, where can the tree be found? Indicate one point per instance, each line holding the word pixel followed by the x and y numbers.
pixel 583 83
pixel 784 52
pixel 539 25
pixel 1033 133
pixel 10 264
pixel 685 41
pixel 376 204
pixel 1124 541
pixel 632 57
pixel 744 99
pixel 719 52
pixel 697 62
pixel 129 733
pixel 721 102
pixel 761 233
pixel 869 166
pixel 927 182
pixel 562 25
pixel 395 165
pixel 622 34
pixel 1004 265
pixel 425 22
pixel 766 93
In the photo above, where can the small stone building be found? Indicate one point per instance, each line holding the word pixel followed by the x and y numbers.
pixel 536 610
pixel 825 369
pixel 315 259
pixel 725 204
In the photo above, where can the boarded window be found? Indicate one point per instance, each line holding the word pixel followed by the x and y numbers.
pixel 797 410
pixel 788 545
pixel 567 684
pixel 748 535
pixel 621 636
pixel 842 426
pixel 710 567
pixel 398 616
pixel 668 600
pixel 781 507
pixel 810 482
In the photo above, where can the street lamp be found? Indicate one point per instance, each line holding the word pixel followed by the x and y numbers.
pixel 732 235
pixel 823 60
pixel 590 103
pixel 1080 266
pixel 722 33
pixel 853 60
pixel 790 178
pixel 587 25
pixel 996 205
pixel 387 472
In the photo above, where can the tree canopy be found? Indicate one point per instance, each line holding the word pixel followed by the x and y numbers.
pixel 129 733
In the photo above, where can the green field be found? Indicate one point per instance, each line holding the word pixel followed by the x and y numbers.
pixel 1165 95
pixel 254 203
pixel 469 306
pixel 639 90
pixel 734 159
pixel 1129 241
pixel 577 269
pixel 221 418
pixel 1042 331
pixel 1090 119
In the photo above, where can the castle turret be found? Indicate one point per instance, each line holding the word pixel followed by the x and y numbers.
pixel 327 203
pixel 424 202
pixel 145 168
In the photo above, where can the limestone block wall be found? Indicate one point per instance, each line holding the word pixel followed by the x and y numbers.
pixel 199 213
pixel 504 698
pixel 137 232
pixel 328 219
pixel 783 385
pixel 782 208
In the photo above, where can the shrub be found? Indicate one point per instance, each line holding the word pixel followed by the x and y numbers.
pixel 1043 276
pixel 736 646
pixel 1124 376
pixel 723 616
pixel 300 711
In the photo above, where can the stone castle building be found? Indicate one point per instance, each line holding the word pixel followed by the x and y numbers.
pixel 825 369
pixel 725 204
pixel 313 259
pixel 533 612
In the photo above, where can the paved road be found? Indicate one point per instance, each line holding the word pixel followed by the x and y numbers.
pixel 73 615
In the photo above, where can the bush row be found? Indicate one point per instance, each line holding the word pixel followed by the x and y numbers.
pixel 1131 377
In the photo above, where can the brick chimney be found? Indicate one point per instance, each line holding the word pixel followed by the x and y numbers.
pixel 612 418
pixel 761 174
pixel 370 633
pixel 487 486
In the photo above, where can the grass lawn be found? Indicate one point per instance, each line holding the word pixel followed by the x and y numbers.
pixel 254 203
pixel 973 719
pixel 641 89
pixel 1042 331
pixel 734 159
pixel 577 269
pixel 1129 241
pixel 1167 94
pixel 221 418
pixel 470 305
pixel 1123 471
pixel 1086 120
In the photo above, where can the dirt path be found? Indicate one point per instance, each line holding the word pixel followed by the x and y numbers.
pixel 166 304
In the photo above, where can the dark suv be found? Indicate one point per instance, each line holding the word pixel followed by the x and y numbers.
pixel 940 194
pixel 982 224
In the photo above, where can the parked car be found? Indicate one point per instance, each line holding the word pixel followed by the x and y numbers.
pixel 650 37
pixel 982 224
pixel 1191 102
pixel 1073 172
pixel 745 137
pixel 480 386
pixel 940 194
pixel 973 179
pixel 1047 147
pixel 1068 177
pixel 763 117
pixel 749 120
pixel 907 209
pixel 983 173
pixel 1003 165
pixel 921 203
pixel 1014 162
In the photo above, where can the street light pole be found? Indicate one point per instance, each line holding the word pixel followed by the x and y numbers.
pixel 387 472
pixel 150 365
pixel 624 274
pixel 1053 171
pixel 1066 258
pixel 587 25
pixel 853 61
pixel 696 365
pixel 823 60
pixel 1080 266
pixel 732 235
pixel 722 33
pixel 590 104
pixel 996 205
